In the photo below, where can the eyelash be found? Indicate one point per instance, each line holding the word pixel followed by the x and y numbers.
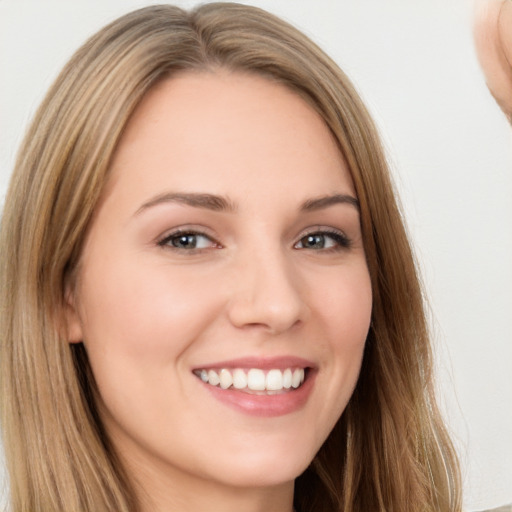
pixel 167 240
pixel 341 241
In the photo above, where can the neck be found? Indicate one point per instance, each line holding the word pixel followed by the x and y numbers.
pixel 214 497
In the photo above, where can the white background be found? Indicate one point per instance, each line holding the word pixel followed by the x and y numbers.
pixel 414 64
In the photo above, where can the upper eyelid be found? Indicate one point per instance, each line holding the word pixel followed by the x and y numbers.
pixel 322 230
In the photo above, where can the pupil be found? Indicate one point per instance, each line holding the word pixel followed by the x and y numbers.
pixel 315 241
pixel 185 241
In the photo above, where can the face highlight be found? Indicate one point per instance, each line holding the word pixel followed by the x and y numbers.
pixel 223 297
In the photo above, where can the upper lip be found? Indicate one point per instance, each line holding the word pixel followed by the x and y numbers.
pixel 264 363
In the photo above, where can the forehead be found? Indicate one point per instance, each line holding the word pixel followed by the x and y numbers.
pixel 218 129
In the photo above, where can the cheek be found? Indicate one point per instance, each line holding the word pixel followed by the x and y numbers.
pixel 345 305
pixel 140 323
pixel 342 308
pixel 345 311
pixel 142 313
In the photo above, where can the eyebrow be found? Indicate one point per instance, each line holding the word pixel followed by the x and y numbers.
pixel 222 204
pixel 320 203
pixel 207 201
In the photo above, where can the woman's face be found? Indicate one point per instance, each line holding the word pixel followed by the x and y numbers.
pixel 227 246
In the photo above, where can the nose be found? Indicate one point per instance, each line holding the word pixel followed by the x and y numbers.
pixel 266 293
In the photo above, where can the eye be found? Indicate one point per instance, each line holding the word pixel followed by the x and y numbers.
pixel 187 241
pixel 323 240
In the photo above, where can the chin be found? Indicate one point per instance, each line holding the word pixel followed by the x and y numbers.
pixel 270 475
pixel 266 469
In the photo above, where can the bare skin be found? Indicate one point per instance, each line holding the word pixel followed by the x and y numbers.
pixel 493 41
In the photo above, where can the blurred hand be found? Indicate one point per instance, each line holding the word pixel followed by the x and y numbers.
pixel 493 40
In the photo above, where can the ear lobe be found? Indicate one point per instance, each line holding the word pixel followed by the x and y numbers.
pixel 71 324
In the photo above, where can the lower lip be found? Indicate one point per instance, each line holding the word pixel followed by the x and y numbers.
pixel 265 405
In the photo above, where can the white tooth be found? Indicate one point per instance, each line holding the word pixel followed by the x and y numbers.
pixel 297 377
pixel 256 379
pixel 204 375
pixel 239 379
pixel 225 379
pixel 302 376
pixel 213 378
pixel 274 380
pixel 287 379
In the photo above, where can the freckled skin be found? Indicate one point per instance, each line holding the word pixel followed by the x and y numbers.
pixel 150 312
pixel 493 40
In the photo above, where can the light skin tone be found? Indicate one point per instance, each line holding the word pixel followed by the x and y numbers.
pixel 493 41
pixel 229 229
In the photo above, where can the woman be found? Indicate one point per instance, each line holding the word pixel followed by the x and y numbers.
pixel 211 302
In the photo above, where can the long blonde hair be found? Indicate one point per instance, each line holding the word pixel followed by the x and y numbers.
pixel 389 451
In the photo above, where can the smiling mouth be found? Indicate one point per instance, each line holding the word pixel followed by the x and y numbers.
pixel 254 380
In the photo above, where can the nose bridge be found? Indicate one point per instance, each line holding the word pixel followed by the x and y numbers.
pixel 265 291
